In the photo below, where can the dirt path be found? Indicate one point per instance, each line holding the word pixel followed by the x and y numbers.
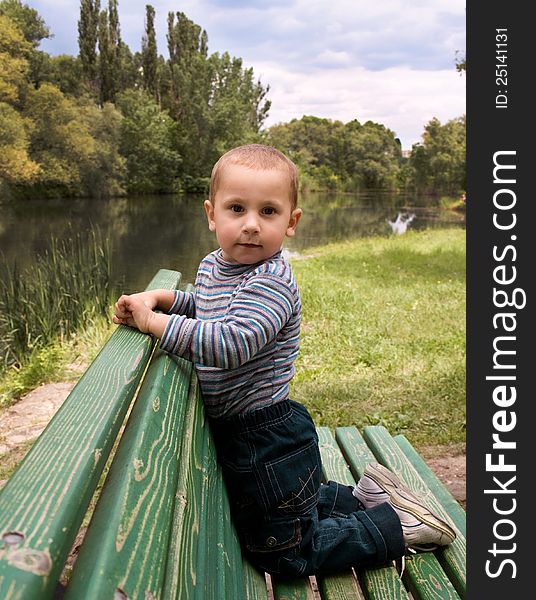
pixel 22 423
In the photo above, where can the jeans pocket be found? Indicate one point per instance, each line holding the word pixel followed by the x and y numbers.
pixel 273 536
pixel 294 480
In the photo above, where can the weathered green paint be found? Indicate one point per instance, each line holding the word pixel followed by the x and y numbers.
pixel 46 498
pixel 126 543
pixel 378 583
pixel 426 579
pixel 162 526
pixel 185 552
pixel 388 452
pixel 449 503
pixel 293 589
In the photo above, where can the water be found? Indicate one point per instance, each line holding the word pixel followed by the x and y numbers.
pixel 153 232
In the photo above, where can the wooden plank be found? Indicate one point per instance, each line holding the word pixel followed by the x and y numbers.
pixel 387 451
pixel 125 547
pixel 186 550
pixel 254 582
pixel 358 455
pixel 449 503
pixel 379 583
pixel 45 500
pixel 292 589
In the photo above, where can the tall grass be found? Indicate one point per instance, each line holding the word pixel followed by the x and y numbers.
pixel 68 285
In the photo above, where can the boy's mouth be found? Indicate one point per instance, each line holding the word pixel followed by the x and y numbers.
pixel 250 245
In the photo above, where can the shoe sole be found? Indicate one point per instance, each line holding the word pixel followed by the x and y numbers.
pixel 407 502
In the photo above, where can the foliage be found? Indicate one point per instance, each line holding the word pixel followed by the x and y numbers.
pixel 15 162
pixel 149 54
pixel 196 106
pixel 383 334
pixel 104 172
pixel 439 163
pixel 60 142
pixel 147 143
pixel 333 155
pixel 87 38
pixel 27 20
pixel 55 297
pixel 14 53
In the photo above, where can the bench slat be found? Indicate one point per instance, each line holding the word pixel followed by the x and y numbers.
pixel 185 552
pixel 125 547
pixel 46 499
pixel 380 582
pixel 375 581
pixel 452 557
pixel 449 503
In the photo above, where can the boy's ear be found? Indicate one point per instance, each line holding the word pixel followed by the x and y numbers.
pixel 293 221
pixel 209 209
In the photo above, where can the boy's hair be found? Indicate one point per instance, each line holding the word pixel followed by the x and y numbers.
pixel 259 157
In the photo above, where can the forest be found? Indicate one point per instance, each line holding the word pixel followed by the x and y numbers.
pixel 112 121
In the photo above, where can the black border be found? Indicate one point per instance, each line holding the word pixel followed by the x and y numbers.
pixel 490 130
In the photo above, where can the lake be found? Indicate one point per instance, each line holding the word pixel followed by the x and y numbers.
pixel 152 232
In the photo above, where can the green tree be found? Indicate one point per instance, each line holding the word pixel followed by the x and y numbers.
pixel 106 58
pixel 65 72
pixel 14 54
pixel 16 166
pixel 149 54
pixel 438 164
pixel 147 135
pixel 87 39
pixel 59 142
pixel 34 29
pixel 104 171
pixel 28 21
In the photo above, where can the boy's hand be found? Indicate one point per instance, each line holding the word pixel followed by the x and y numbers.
pixel 135 311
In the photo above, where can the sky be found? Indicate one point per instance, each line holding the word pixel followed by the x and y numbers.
pixel 388 61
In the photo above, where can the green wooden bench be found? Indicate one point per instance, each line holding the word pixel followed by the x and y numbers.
pixel 161 525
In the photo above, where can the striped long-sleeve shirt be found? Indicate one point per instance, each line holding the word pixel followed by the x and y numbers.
pixel 241 328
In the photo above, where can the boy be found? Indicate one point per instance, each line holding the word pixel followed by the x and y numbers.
pixel 241 329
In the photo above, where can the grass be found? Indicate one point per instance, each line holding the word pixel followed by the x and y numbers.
pixel 60 361
pixel 55 297
pixel 383 335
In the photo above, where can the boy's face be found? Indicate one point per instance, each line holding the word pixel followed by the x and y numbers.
pixel 252 213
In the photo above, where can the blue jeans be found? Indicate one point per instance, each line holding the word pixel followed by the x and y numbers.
pixel 289 523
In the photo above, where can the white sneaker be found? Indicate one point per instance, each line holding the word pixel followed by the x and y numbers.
pixel 421 529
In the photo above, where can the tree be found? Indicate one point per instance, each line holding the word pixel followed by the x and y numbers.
pixel 87 38
pixel 27 20
pixel 438 164
pixel 106 58
pixel 104 171
pixel 14 53
pixel 114 37
pixel 16 166
pixel 149 54
pixel 147 143
pixel 59 142
pixel 33 28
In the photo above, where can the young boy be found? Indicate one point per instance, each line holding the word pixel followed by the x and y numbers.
pixel 241 329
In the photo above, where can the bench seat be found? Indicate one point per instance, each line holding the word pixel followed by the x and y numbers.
pixel 161 526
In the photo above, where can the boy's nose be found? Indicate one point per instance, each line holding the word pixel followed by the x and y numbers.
pixel 251 224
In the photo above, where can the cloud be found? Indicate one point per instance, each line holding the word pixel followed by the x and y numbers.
pixel 400 98
pixel 390 61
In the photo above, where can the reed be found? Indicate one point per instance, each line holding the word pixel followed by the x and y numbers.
pixel 55 297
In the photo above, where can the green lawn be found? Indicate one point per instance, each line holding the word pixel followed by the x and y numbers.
pixel 383 335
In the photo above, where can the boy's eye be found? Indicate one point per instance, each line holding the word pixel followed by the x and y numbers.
pixel 268 210
pixel 236 208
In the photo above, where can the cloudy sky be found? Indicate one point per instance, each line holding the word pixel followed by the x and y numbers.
pixel 389 61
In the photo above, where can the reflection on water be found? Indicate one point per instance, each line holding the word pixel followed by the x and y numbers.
pixel 402 223
pixel 153 232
